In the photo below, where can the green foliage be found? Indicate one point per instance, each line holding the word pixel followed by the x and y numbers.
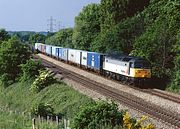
pixel 93 115
pixel 119 38
pixel 175 84
pixel 114 11
pixel 159 37
pixel 3 35
pixel 62 38
pixel 30 70
pixel 44 79
pixel 12 54
pixel 16 120
pixel 42 109
pixel 87 27
pixel 63 99
pixel 37 38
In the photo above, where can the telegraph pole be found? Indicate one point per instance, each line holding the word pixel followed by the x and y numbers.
pixel 51 24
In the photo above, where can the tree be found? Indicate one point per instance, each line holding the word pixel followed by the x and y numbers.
pixel 4 36
pixel 62 38
pixel 119 38
pixel 87 27
pixel 37 38
pixel 12 54
pixel 114 11
pixel 30 70
pixel 156 43
pixel 175 81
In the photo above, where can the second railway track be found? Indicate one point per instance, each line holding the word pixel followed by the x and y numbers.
pixel 120 96
pixel 163 95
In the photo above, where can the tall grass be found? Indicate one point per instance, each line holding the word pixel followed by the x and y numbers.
pixel 65 101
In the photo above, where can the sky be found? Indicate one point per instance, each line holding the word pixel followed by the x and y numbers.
pixel 33 15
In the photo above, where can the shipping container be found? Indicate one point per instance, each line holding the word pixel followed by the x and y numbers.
pixel 43 48
pixel 74 56
pixel 59 52
pixel 54 51
pixel 84 58
pixel 65 54
pixel 36 46
pixel 95 60
pixel 49 50
pixel 40 47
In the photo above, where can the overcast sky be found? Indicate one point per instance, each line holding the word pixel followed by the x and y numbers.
pixel 32 15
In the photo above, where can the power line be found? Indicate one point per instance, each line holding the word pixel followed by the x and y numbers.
pixel 60 25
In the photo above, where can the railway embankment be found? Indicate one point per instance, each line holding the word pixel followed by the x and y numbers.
pixel 90 92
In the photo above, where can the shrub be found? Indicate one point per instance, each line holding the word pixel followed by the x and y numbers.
pixel 96 114
pixel 42 109
pixel 132 123
pixel 102 114
pixel 30 70
pixel 44 79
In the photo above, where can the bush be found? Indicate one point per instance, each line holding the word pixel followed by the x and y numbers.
pixel 99 113
pixel 44 79
pixel 133 123
pixel 30 70
pixel 42 109
pixel 102 114
pixel 12 54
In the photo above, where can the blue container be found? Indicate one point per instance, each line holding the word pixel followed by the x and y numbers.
pixel 64 52
pixel 59 52
pixel 95 60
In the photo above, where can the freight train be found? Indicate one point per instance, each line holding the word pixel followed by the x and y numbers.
pixel 127 69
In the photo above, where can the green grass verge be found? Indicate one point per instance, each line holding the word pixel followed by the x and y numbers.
pixel 61 97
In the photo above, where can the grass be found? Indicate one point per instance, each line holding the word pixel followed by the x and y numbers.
pixel 62 98
pixel 17 121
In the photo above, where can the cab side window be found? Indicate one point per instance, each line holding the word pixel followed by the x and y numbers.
pixel 131 65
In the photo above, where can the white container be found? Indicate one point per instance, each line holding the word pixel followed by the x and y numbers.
pixel 74 56
pixel 49 49
pixel 54 51
pixel 37 46
pixel 84 58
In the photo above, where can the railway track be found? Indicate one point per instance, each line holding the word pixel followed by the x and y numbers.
pixel 159 94
pixel 120 96
pixel 163 95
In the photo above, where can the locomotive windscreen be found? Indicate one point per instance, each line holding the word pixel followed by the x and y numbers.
pixel 142 64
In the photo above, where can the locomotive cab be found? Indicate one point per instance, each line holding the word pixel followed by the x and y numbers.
pixel 140 68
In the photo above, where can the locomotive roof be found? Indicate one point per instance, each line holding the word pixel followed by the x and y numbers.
pixel 122 57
